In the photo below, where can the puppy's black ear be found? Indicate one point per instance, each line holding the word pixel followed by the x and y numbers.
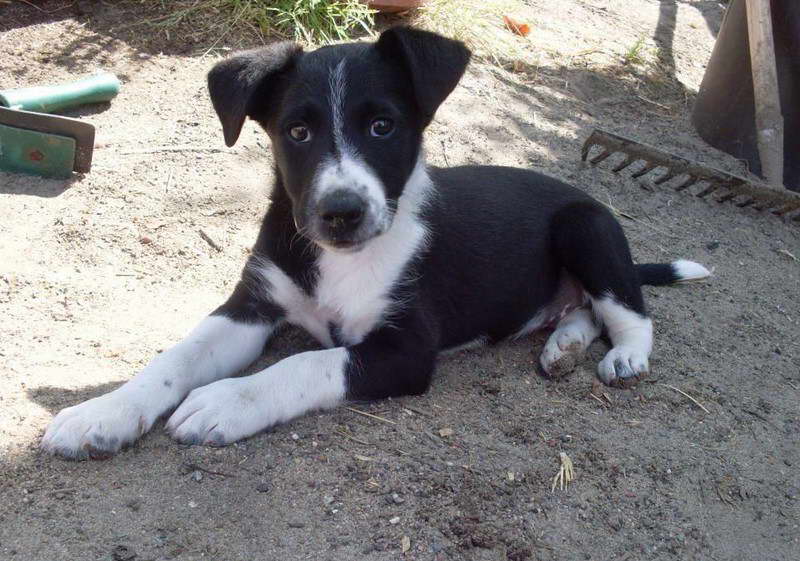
pixel 244 85
pixel 435 63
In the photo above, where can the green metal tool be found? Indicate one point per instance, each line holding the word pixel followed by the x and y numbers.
pixel 33 142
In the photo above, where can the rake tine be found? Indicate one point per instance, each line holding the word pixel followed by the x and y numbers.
pixel 645 170
pixel 623 164
pixel 726 197
pixel 785 208
pixel 708 190
pixel 600 157
pixel 585 149
pixel 664 178
pixel 765 203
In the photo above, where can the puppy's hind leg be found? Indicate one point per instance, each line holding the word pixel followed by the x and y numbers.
pixel 591 245
pixel 567 345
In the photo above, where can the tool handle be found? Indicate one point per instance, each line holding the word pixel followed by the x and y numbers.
pixel 48 99
pixel 766 92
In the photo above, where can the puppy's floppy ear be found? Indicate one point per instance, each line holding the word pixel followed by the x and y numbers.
pixel 435 63
pixel 244 84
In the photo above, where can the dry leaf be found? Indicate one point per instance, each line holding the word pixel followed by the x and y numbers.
pixel 445 432
pixel 405 544
pixel 517 27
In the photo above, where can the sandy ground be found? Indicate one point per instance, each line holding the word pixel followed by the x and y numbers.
pixel 99 273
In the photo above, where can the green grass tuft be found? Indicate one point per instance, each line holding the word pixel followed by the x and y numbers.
pixel 312 22
pixel 317 21
pixel 635 55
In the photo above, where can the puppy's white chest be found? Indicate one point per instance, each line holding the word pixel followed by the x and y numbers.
pixel 351 297
pixel 353 293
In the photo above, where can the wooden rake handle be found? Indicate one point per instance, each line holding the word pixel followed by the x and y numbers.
pixel 769 117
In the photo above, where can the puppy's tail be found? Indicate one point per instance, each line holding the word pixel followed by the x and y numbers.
pixel 660 274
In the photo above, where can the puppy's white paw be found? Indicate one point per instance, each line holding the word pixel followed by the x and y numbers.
pixel 623 366
pixel 220 413
pixel 563 351
pixel 567 344
pixel 97 428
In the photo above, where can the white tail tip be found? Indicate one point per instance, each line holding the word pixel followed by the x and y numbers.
pixel 688 271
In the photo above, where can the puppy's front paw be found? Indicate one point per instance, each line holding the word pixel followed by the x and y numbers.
pixel 96 429
pixel 219 414
pixel 623 366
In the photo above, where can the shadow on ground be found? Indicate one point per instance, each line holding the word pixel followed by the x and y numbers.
pixel 54 399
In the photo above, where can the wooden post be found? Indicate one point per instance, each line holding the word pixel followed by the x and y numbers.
pixel 769 118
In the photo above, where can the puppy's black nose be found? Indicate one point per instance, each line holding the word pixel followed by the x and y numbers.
pixel 341 211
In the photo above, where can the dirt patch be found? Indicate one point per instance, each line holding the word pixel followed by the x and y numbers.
pixel 100 273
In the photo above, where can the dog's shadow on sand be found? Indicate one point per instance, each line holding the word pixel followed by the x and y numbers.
pixel 54 398
pixel 288 341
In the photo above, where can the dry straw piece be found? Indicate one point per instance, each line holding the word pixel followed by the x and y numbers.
pixel 566 473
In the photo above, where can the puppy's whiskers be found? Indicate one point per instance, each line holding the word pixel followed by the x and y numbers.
pixel 305 236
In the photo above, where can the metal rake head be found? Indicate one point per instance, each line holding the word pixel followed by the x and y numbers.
pixel 685 175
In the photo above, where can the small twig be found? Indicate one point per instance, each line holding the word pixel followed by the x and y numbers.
pixel 759 416
pixel 370 415
pixel 586 52
pixel 417 411
pixel 603 403
pixel 642 222
pixel 683 393
pixel 618 212
pixel 209 241
pixel 32 5
pixel 787 253
pixel 444 154
pixel 172 149
pixel 654 103
pixel 353 438
pixel 169 181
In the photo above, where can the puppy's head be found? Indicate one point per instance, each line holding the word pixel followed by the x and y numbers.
pixel 345 121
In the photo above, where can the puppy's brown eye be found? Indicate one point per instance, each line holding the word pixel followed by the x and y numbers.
pixel 381 127
pixel 300 133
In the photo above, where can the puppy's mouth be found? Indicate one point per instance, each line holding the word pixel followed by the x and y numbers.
pixel 350 243
pixel 342 246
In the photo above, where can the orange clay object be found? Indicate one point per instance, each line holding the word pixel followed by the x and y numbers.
pixel 516 27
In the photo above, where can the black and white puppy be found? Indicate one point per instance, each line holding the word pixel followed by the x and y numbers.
pixel 383 260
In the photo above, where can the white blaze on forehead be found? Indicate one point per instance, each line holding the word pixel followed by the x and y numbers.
pixel 345 169
pixel 336 99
